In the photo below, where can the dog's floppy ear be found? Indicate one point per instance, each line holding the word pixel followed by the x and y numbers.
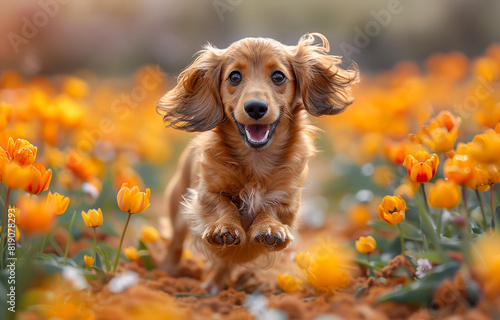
pixel 195 104
pixel 323 86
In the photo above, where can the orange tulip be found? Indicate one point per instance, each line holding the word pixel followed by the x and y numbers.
pixel 89 261
pixel 92 218
pixel 485 148
pixel 441 134
pixel 421 166
pixel 40 179
pixel 459 169
pixel 58 202
pixel 131 200
pixel 444 194
pixel 392 210
pixel 35 217
pixel 131 253
pixel 365 245
pixel 15 176
pixel 149 234
pixel 21 151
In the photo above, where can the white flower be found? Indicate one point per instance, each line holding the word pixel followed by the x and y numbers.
pixel 123 282
pixel 423 267
pixel 75 277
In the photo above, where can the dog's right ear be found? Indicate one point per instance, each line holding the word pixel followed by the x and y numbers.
pixel 195 104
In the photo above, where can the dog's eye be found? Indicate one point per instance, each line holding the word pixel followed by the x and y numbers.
pixel 234 78
pixel 278 77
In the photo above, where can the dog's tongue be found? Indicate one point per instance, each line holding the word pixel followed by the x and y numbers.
pixel 257 132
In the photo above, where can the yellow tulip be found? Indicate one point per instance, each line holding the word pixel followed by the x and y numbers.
pixel 359 215
pixel 459 169
pixel 444 194
pixel 58 202
pixel 21 151
pixel 10 232
pixel 149 234
pixel 89 261
pixel 392 210
pixel 15 176
pixel 289 283
pixel 131 253
pixel 40 179
pixel 93 218
pixel 131 200
pixel 421 166
pixel 365 245
pixel 441 134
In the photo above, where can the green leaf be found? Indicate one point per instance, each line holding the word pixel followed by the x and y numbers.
pixel 146 260
pixel 104 257
pixel 420 292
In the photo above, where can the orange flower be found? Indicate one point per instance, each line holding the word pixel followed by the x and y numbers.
pixel 40 179
pixel 397 151
pixel 93 218
pixel 365 245
pixel 35 217
pixel 392 210
pixel 289 283
pixel 21 151
pixel 58 202
pixel 442 132
pixel 480 179
pixel 359 214
pixel 407 189
pixel 421 166
pixel 5 115
pixel 459 169
pixel 131 200
pixel 485 148
pixel 15 176
pixel 486 263
pixel 444 194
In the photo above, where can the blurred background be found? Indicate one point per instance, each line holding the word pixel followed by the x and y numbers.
pixel 117 37
pixel 83 77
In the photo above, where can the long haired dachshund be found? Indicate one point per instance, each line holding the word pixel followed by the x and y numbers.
pixel 238 183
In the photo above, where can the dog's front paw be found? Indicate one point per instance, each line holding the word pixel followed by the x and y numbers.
pixel 220 235
pixel 274 236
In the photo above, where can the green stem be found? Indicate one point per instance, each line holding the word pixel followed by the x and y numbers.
pixel 367 264
pixel 464 200
pixel 439 222
pixel 43 242
pixel 4 224
pixel 491 207
pixel 69 237
pixel 121 242
pixel 428 224
pixel 370 268
pixel 402 238
pixel 93 250
pixel 485 221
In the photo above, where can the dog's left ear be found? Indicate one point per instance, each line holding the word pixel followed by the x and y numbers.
pixel 323 87
pixel 195 104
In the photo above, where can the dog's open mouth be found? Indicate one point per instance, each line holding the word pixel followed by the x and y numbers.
pixel 257 135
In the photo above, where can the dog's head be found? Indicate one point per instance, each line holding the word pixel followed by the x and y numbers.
pixel 258 84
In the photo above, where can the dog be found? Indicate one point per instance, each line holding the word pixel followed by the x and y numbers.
pixel 238 184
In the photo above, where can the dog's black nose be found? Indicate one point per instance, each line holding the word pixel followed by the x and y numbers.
pixel 255 108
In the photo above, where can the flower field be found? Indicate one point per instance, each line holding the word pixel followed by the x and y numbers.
pixel 400 215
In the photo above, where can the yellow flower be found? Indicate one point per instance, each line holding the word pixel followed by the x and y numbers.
pixel 485 148
pixel 303 259
pixel 480 179
pixel 444 194
pixel 5 115
pixel 35 217
pixel 89 261
pixel 149 234
pixel 10 232
pixel 40 179
pixel 131 200
pixel 58 202
pixel 289 283
pixel 75 87
pixel 21 151
pixel 421 166
pixel 131 253
pixel 459 169
pixel 392 210
pixel 93 218
pixel 365 244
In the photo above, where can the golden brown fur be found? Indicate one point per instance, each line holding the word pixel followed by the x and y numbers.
pixel 239 201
